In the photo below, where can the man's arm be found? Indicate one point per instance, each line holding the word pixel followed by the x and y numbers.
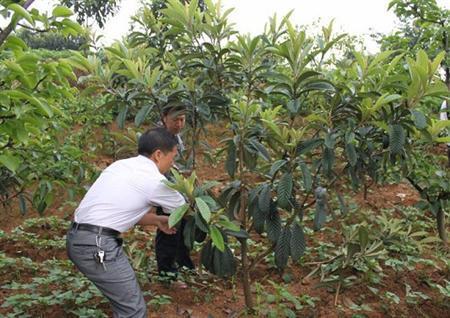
pixel 161 221
pixel 168 199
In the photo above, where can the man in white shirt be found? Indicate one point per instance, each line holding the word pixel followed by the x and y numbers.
pixel 120 198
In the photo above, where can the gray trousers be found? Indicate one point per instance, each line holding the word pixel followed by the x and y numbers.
pixel 116 279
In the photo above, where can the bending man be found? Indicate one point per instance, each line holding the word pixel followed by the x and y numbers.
pixel 121 197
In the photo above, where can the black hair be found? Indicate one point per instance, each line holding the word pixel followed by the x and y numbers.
pixel 154 139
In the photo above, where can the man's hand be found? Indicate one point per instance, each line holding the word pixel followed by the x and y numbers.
pixel 161 221
pixel 163 224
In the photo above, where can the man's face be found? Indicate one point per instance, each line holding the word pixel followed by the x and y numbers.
pixel 165 161
pixel 174 122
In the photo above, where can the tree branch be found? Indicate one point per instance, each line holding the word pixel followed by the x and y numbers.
pixel 4 33
pixel 32 29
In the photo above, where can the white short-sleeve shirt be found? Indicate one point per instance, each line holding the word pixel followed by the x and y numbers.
pixel 124 192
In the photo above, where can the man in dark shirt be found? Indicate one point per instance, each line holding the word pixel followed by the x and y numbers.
pixel 171 252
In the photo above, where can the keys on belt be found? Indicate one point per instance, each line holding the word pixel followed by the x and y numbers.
pixel 100 254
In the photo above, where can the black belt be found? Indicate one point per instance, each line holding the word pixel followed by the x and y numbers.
pixel 100 230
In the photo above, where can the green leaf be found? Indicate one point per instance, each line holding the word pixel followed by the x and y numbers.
pixel 438 89
pixel 273 226
pixel 224 264
pixel 189 233
pixel 363 237
pixel 298 243
pixel 321 85
pixel 328 160
pixel 241 234
pixel 200 223
pixel 15 43
pixel 11 162
pixel 420 121
pixel 276 166
pixel 132 68
pixel 284 190
pixel 206 256
pixel 262 151
pixel 442 139
pixel 78 61
pixel 264 199
pixel 230 164
pixel 73 25
pixel 282 249
pixel 61 11
pixel 177 214
pixel 330 140
pixel 121 117
pixel 227 224
pixel 307 178
pixel 204 209
pixel 21 12
pixel 308 145
pixel 217 238
pixel 397 138
pixel 385 99
pixel 352 156
pixel 142 115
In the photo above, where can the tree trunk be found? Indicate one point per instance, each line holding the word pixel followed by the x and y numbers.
pixel 440 218
pixel 246 276
pixel 244 246
pixel 4 34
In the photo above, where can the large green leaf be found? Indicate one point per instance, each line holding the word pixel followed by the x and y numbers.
pixel 276 166
pixel 230 163
pixel 284 190
pixel 21 12
pixel 20 95
pixel 282 249
pixel 61 11
pixel 204 209
pixel 308 145
pixel 207 256
pixel 177 214
pixel 307 178
pixel 420 121
pixel 224 263
pixel 328 160
pixel 77 29
pixel 15 43
pixel 189 233
pixel 273 225
pixel 264 199
pixel 261 150
pixel 363 237
pixel 122 116
pixel 201 223
pixel 217 238
pixel 142 114
pixel 352 156
pixel 397 138
pixel 298 243
pixel 10 161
